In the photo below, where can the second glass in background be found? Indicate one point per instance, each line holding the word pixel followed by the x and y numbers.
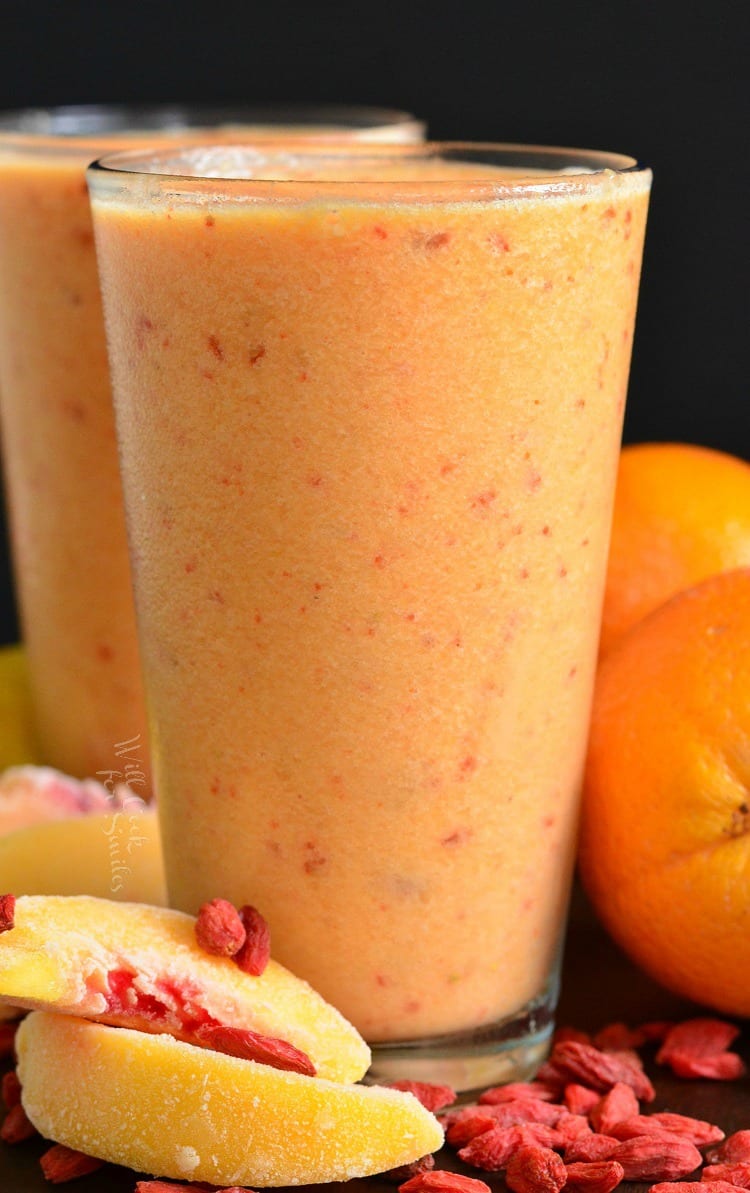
pixel 71 566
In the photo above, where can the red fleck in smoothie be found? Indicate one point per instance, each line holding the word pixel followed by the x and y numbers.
pixel 369 433
pixel 60 457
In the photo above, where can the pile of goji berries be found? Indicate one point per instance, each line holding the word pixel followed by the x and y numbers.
pixel 579 1125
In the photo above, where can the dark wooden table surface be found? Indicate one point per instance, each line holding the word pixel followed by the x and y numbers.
pixel 599 986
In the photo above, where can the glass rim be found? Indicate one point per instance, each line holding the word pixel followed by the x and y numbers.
pixel 553 169
pixel 75 126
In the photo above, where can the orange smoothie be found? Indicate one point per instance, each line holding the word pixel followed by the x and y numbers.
pixel 61 470
pixel 369 433
pixel 60 457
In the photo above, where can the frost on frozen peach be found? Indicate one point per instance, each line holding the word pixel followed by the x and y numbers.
pixel 161 1106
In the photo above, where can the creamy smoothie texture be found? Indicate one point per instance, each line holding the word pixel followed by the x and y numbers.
pixel 369 450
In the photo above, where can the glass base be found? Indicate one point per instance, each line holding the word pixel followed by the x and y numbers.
pixel 512 1049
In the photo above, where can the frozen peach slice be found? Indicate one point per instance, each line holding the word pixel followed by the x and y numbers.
pixel 31 794
pixel 164 1107
pixel 117 855
pixel 139 966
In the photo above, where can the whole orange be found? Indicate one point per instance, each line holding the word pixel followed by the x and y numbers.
pixel 665 836
pixel 681 513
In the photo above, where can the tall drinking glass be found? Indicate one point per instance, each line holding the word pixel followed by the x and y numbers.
pixel 68 534
pixel 369 408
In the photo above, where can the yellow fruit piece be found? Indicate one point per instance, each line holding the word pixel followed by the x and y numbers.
pixel 138 966
pixel 17 744
pixel 117 855
pixel 163 1107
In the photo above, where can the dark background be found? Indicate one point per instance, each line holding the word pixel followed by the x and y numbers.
pixel 664 81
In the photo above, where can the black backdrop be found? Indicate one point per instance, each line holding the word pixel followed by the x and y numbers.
pixel 664 81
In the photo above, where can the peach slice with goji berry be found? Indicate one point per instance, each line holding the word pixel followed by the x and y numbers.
pixel 117 856
pixel 161 1106
pixel 137 966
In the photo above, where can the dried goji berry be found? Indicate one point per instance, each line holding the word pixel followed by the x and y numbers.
pixel 701 1036
pixel 515 1090
pixel 250 1045
pixel 405 1172
pixel 618 1036
pixel 61 1164
pixel 491 1150
pixel 695 1129
pixel 598 1177
pixel 579 1099
pixel 618 1103
pixel 600 1070
pixel 255 953
pixel 11 1088
pixel 692 1187
pixel 734 1149
pixel 433 1097
pixel 467 1124
pixel 721 1066
pixel 628 1054
pixel 657 1157
pixel 16 1126
pixel 473 1120
pixel 7 912
pixel 571 1127
pixel 158 1187
pixel 525 1110
pixel 655 1030
pixel 439 1181
pixel 737 1173
pixel 219 929
pixel 448 1117
pixel 535 1170
pixel 552 1078
pixel 591 1148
